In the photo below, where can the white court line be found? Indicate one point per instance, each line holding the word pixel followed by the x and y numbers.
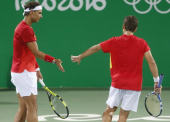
pixel 95 117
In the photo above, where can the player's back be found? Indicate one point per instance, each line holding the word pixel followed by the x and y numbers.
pixel 127 53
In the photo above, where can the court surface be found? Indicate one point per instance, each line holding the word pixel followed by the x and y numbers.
pixel 85 105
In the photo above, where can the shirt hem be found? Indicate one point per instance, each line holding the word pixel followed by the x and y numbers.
pixel 125 88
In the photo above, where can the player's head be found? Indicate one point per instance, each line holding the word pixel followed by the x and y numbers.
pixel 130 23
pixel 33 10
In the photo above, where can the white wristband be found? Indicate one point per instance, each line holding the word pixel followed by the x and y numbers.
pixel 156 79
pixel 37 69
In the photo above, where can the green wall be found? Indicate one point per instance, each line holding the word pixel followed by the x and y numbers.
pixel 70 27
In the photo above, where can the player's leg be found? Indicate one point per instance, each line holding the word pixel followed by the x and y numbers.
pixel 123 115
pixel 113 101
pixel 26 85
pixel 21 113
pixel 129 103
pixel 108 114
pixel 31 105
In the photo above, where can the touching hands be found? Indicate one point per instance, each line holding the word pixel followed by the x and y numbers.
pixel 76 59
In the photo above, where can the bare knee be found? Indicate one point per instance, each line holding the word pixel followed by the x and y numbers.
pixel 123 115
pixel 22 109
pixel 109 111
pixel 32 108
pixel 107 115
pixel 31 103
pixel 22 106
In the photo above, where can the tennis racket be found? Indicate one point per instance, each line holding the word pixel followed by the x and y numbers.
pixel 153 102
pixel 56 102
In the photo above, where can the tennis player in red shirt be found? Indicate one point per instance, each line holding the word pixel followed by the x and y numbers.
pixel 126 60
pixel 25 70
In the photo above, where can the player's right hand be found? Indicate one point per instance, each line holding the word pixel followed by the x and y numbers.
pixel 76 59
pixel 58 63
pixel 156 89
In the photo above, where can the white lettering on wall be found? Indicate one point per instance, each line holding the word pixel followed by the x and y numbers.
pixel 71 5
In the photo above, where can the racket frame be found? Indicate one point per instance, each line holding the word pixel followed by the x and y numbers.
pixel 49 94
pixel 160 101
pixel 158 96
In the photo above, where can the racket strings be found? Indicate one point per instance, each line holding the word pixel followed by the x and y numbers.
pixel 59 106
pixel 153 105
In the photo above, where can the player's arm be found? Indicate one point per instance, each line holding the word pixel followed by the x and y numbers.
pixel 34 49
pixel 153 68
pixel 88 52
pixel 151 62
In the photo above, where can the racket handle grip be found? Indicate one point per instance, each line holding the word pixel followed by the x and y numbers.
pixel 41 82
pixel 160 80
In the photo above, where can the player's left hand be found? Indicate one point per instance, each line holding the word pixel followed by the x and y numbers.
pixel 156 89
pixel 76 59
pixel 39 75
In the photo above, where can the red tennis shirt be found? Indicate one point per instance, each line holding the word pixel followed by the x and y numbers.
pixel 126 61
pixel 23 58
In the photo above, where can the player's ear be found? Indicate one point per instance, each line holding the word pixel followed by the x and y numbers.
pixel 135 30
pixel 123 26
pixel 31 12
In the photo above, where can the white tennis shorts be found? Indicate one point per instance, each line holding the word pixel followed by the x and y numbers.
pixel 129 99
pixel 25 83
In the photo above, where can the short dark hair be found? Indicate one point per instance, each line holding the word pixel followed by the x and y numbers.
pixel 30 5
pixel 130 23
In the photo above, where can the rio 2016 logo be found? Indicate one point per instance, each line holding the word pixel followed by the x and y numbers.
pixel 71 5
pixel 151 3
